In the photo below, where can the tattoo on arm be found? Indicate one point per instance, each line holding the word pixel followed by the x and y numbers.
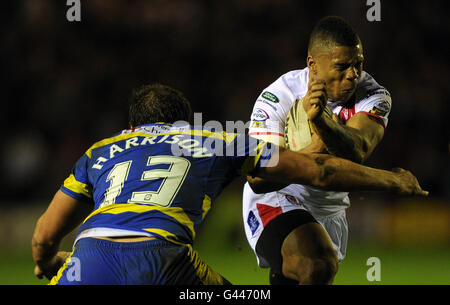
pixel 326 171
pixel 319 161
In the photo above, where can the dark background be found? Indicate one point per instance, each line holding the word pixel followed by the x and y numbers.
pixel 66 84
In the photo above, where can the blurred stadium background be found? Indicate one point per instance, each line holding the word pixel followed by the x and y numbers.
pixel 65 85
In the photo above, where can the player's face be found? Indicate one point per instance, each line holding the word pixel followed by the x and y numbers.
pixel 341 69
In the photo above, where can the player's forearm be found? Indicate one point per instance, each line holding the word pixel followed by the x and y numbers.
pixel 328 172
pixel 341 141
pixel 338 174
pixel 44 246
pixel 61 217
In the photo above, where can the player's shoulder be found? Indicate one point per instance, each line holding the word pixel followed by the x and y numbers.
pixel 280 95
pixel 129 137
pixel 296 81
pixel 298 74
pixel 106 142
pixel 368 88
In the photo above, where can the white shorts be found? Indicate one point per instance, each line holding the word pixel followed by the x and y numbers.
pixel 258 214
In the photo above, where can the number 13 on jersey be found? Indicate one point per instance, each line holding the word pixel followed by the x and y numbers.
pixel 173 178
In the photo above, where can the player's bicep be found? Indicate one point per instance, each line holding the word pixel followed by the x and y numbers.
pixel 370 130
pixel 63 215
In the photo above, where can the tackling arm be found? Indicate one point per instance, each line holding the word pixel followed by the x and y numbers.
pixel 261 186
pixel 336 174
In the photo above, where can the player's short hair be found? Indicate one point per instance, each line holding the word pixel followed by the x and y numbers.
pixel 331 31
pixel 155 103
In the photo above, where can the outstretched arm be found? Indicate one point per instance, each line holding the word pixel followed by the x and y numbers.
pixel 62 216
pixel 336 174
pixel 261 186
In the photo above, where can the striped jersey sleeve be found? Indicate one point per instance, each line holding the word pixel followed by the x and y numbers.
pixel 77 185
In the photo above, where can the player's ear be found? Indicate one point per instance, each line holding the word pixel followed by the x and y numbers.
pixel 311 64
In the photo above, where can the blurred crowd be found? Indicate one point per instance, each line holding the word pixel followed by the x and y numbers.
pixel 66 84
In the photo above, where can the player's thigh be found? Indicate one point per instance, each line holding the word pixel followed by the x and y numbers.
pixel 305 245
pixel 270 242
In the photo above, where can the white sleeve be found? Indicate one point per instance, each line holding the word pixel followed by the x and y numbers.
pixel 270 111
pixel 377 105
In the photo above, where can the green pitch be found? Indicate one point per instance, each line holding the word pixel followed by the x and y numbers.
pixel 408 266
pixel 221 243
pixel 398 266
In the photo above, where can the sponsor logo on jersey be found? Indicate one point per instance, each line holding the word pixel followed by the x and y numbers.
pixel 259 115
pixel 270 97
pixel 381 109
pixel 155 130
pixel 252 222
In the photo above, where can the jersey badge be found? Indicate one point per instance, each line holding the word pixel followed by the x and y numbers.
pixel 259 117
pixel 380 109
pixel 252 222
pixel 270 97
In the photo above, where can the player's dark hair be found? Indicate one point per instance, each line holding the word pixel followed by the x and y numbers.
pixel 155 103
pixel 332 31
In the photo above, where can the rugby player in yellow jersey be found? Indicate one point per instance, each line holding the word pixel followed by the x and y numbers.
pixel 141 195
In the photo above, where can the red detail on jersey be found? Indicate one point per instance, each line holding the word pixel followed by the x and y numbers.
pixel 267 212
pixel 265 133
pixel 347 113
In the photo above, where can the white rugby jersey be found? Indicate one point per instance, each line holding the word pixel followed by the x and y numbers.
pixel 268 121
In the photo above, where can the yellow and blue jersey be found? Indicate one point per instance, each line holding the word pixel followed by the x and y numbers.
pixel 159 179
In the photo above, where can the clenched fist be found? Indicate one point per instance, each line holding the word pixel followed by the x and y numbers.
pixel 50 268
pixel 315 100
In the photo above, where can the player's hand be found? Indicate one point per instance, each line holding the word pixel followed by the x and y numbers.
pixel 315 99
pixel 50 269
pixel 262 186
pixel 408 184
pixel 316 146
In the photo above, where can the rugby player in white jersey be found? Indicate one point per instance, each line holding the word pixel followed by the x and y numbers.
pixel 300 232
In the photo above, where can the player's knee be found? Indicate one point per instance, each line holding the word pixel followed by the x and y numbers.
pixel 312 271
pixel 277 278
pixel 321 271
